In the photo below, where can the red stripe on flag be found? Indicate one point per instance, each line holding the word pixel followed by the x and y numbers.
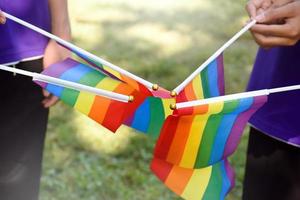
pixel 160 168
pixel 166 137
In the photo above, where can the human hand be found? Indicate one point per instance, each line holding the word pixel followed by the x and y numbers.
pixel 2 18
pixel 285 33
pixel 279 23
pixel 256 7
pixel 53 53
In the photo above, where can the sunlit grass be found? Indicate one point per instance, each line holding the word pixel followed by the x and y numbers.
pixel 162 41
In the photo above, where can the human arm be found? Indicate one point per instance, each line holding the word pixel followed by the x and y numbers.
pixel 60 26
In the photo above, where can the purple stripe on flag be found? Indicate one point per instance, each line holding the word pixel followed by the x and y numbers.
pixel 240 124
pixel 128 121
pixel 56 70
pixel 230 173
pixel 220 63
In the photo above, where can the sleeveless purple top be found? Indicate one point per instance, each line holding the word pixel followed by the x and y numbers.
pixel 280 116
pixel 18 42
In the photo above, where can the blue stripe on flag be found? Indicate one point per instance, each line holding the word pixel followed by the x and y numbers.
pixel 225 128
pixel 225 181
pixel 74 75
pixel 142 117
pixel 212 76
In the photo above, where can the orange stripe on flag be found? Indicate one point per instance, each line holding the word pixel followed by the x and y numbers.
pixel 131 82
pixel 201 109
pixel 124 89
pixel 178 179
pixel 189 92
pixel 99 109
pixel 179 141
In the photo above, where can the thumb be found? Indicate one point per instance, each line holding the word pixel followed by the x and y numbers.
pixel 46 93
pixel 274 14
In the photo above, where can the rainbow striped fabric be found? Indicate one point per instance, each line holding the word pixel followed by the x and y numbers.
pixel 193 144
pixel 209 83
pixel 111 114
pixel 110 72
pixel 212 182
pixel 151 115
pixel 209 135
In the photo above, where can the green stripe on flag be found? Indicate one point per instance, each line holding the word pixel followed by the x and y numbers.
pixel 92 78
pixel 210 132
pixel 157 117
pixel 214 188
pixel 205 82
pixel 70 96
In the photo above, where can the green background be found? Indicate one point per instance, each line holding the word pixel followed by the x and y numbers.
pixel 162 41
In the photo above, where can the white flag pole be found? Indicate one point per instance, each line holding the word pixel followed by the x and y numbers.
pixel 236 96
pixel 180 87
pixel 69 84
pixel 82 51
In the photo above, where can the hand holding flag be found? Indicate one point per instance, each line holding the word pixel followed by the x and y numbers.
pixel 194 139
pixel 278 23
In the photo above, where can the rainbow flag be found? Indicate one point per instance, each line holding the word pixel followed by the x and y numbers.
pixel 206 136
pixel 209 83
pixel 110 113
pixel 150 116
pixel 110 72
pixel 209 183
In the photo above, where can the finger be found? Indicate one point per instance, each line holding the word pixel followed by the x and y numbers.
pixel 251 9
pixel 266 4
pixel 279 3
pixel 46 93
pixel 284 30
pixel 51 101
pixel 2 19
pixel 268 42
pixel 275 14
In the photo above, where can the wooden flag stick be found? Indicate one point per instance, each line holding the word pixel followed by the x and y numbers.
pixel 69 84
pixel 180 87
pixel 82 51
pixel 236 96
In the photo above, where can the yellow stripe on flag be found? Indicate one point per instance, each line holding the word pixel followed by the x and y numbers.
pixel 197 87
pixel 198 183
pixel 166 105
pixel 108 84
pixel 113 72
pixel 194 140
pixel 215 108
pixel 84 102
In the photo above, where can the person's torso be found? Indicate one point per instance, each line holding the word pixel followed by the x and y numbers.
pixel 278 67
pixel 18 42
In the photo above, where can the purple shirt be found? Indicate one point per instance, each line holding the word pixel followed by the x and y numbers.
pixel 18 42
pixel 280 116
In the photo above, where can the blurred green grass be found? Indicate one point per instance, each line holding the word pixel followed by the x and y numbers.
pixel 162 41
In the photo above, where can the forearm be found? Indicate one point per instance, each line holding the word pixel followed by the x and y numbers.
pixel 60 23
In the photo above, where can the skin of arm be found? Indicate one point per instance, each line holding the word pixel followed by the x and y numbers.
pixel 60 26
pixel 278 22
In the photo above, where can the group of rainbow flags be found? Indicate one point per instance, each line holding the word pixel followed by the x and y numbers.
pixel 196 126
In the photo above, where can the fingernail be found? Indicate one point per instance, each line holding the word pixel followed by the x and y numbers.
pixel 260 17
